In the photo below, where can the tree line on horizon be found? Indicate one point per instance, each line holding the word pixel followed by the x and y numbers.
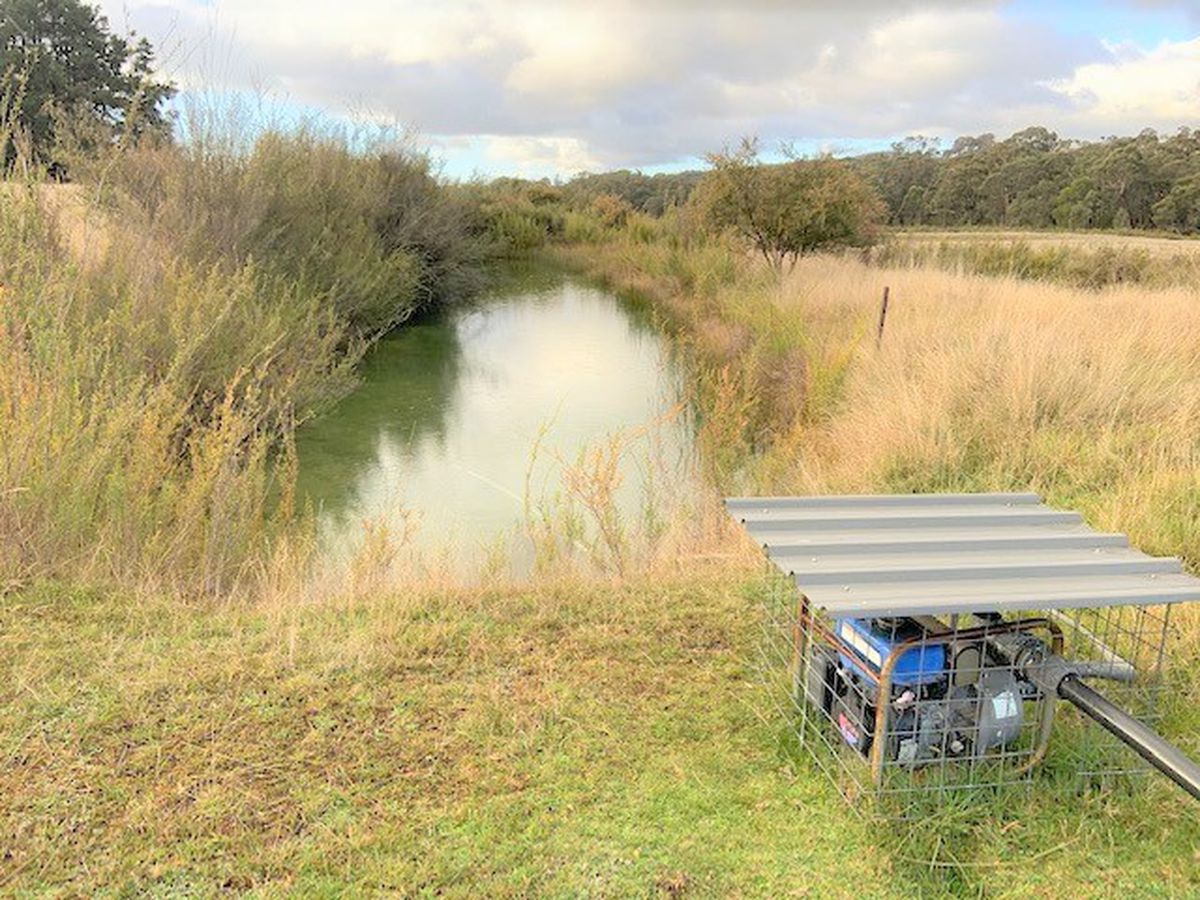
pixel 66 81
pixel 1032 179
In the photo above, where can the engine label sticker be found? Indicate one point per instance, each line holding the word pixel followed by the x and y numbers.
pixel 1004 705
pixel 861 644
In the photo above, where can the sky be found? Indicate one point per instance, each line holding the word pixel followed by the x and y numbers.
pixel 538 88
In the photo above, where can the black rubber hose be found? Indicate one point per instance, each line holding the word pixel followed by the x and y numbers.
pixel 1165 757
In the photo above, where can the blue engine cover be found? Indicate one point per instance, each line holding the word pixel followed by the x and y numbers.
pixel 922 664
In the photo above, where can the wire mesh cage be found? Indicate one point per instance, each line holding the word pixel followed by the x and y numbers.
pixel 912 656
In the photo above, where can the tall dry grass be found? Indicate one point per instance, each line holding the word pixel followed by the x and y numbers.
pixel 584 522
pixel 1091 397
pixel 138 408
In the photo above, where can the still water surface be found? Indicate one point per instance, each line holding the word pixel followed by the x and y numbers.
pixel 443 428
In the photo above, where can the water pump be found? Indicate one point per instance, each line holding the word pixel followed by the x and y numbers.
pixel 950 699
pixel 932 637
pixel 959 694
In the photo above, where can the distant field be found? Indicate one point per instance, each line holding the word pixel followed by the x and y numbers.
pixel 1090 260
pixel 1155 243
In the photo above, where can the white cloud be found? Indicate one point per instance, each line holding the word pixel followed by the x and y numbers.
pixel 1159 88
pixel 403 33
pixel 535 157
pixel 578 84
pixel 582 54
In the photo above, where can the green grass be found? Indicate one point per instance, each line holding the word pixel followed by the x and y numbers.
pixel 570 740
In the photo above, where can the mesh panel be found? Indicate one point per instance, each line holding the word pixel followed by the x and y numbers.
pixel 905 709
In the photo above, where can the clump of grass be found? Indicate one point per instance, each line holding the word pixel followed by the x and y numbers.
pixel 591 526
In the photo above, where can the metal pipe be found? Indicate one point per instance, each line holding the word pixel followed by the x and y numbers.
pixel 1112 671
pixel 1078 627
pixel 1058 677
pixel 1165 757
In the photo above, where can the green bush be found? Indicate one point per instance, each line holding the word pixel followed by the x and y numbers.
pixel 612 211
pixel 582 228
pixel 642 229
pixel 518 227
pixel 782 211
pixel 168 322
pixel 369 229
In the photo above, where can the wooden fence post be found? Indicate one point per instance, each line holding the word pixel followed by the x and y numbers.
pixel 882 318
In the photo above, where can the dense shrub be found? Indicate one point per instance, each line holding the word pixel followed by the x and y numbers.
pixel 169 321
pixel 784 210
pixel 372 230
pixel 519 216
pixel 583 228
pixel 611 210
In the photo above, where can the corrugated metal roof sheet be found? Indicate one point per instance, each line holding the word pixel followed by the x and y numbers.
pixel 896 554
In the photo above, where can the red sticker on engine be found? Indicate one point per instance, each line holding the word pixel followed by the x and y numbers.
pixel 849 732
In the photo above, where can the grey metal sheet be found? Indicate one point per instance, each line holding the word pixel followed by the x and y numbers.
pixel 897 566
pixel 849 501
pixel 949 541
pixel 972 517
pixel 931 553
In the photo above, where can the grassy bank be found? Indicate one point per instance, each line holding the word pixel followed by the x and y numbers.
pixel 559 740
pixel 1089 397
